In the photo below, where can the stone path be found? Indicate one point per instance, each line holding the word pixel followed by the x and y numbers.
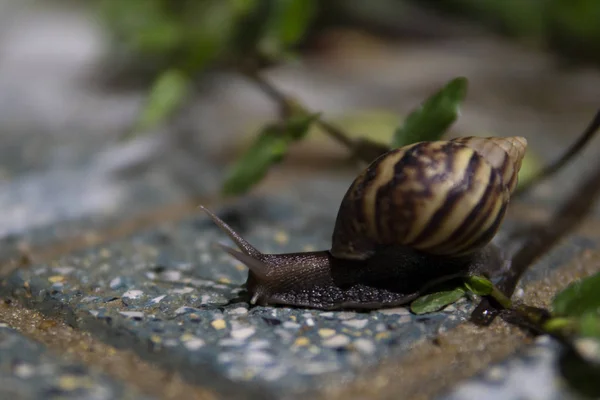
pixel 112 288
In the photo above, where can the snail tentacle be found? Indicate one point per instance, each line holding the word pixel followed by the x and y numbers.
pixel 246 247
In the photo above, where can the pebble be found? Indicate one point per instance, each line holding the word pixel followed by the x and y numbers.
pixel 132 314
pixel 337 341
pixel 218 324
pixel 318 368
pixel 326 332
pixel 356 323
pixel 301 341
pixel 243 333
pixel 258 358
pixel 133 294
pixel 24 371
pixel 291 325
pixel 193 344
pixel 184 290
pixel 364 346
pixel 239 311
pixel 116 283
pixel 185 310
pixel 395 311
pixel 496 373
pixel 157 299
pixel 258 344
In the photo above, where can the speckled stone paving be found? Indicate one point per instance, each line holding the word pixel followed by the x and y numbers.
pixel 171 295
pixel 533 374
pixel 29 371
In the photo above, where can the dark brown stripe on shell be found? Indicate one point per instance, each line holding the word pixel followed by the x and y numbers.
pixel 453 198
pixel 472 218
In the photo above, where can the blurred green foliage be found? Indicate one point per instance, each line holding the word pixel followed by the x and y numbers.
pixel 180 39
pixel 571 27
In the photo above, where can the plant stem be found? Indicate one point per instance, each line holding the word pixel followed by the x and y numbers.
pixel 287 105
pixel 556 166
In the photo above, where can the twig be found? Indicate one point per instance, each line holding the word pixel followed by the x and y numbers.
pixel 286 105
pixel 551 169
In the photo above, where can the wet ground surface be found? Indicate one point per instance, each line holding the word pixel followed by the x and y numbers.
pixel 106 237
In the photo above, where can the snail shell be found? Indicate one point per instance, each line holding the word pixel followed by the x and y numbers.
pixel 441 198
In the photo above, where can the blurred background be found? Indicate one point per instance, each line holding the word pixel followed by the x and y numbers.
pixel 155 90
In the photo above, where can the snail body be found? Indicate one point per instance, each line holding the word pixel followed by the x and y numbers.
pixel 416 216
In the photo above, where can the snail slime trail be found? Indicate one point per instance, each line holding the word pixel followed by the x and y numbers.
pixel 416 216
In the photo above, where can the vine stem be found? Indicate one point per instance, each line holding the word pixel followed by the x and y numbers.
pixel 556 166
pixel 287 105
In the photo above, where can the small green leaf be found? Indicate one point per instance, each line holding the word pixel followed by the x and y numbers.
pixel 580 297
pixel 287 24
pixel 431 120
pixel 268 149
pixel 589 325
pixel 436 301
pixel 479 285
pixel 166 95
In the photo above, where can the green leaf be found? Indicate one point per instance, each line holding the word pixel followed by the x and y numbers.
pixel 436 301
pixel 479 285
pixel 580 297
pixel 269 148
pixel 287 24
pixel 589 325
pixel 431 120
pixel 165 97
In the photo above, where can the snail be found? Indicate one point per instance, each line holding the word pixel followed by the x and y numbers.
pixel 415 217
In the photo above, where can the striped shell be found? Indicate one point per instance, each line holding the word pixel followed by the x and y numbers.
pixel 443 198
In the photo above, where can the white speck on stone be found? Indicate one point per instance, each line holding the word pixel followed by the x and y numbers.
pixel 450 308
pixel 274 374
pixel 94 312
pixel 184 290
pixel 310 322
pixel 151 275
pixel 290 325
pixel 3 325
pixel 170 342
pixel 24 371
pixel 230 342
pixel 158 299
pixel 220 287
pixel 395 311
pixel 364 346
pixel 356 323
pixel 239 311
pixel 327 314
pixel 589 349
pixel 519 293
pixel 133 294
pixel 283 334
pixel 345 315
pixel 258 344
pixel 115 283
pixel 258 358
pixel 316 368
pixel 205 299
pixel 380 328
pixel 193 344
pixel 243 333
pixel 88 299
pixel 132 314
pixel 225 358
pixel 326 332
pixel 337 341
pixel 63 270
pixel 171 275
pixel 496 373
pixel 185 310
